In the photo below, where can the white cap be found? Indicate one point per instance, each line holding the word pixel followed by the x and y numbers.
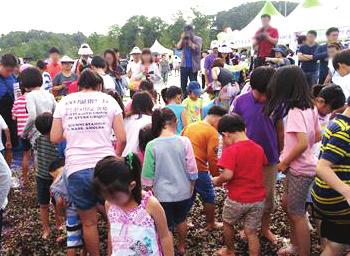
pixel 135 50
pixel 214 44
pixel 85 50
pixel 66 59
pixel 225 49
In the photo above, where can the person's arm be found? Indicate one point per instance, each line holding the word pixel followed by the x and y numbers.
pixel 320 53
pixel 273 38
pixel 196 44
pixel 191 164
pixel 212 149
pixel 304 57
pixel 5 180
pixel 56 135
pixel 8 143
pixel 148 170
pixel 179 45
pixel 119 131
pixel 275 60
pixel 280 134
pixel 184 119
pixel 60 206
pixel 109 240
pixel 328 78
pixel 166 239
pixel 215 73
pixel 224 177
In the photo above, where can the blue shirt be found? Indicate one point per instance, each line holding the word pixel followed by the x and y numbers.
pixel 177 109
pixel 6 86
pixel 308 66
pixel 188 57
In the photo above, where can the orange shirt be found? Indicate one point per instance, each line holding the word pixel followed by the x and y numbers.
pixel 53 69
pixel 205 140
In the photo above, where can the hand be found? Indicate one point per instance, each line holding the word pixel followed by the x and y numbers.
pixel 215 181
pixel 182 35
pixel 347 195
pixel 8 145
pixel 282 166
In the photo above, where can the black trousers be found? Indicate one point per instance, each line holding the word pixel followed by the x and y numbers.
pixel 186 74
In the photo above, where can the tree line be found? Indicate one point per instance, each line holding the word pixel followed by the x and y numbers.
pixel 138 30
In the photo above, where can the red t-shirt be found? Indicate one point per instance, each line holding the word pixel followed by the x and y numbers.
pixel 73 87
pixel 54 69
pixel 246 160
pixel 265 46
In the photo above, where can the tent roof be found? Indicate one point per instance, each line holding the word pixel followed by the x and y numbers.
pixel 268 8
pixel 158 48
pixel 311 3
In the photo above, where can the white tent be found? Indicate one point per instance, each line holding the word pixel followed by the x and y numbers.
pixel 244 38
pixel 160 49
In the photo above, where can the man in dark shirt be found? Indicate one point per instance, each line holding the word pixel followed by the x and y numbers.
pixel 307 63
pixel 321 53
pixel 264 40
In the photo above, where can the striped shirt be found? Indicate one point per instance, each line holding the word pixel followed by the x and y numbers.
pixel 46 153
pixel 19 112
pixel 335 148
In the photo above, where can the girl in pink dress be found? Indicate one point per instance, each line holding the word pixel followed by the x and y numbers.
pixel 138 225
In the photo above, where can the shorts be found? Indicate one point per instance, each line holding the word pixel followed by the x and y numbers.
pixel 205 188
pixel 251 213
pixel 74 228
pixel 270 174
pixel 81 191
pixel 43 190
pixel 338 233
pixel 25 144
pixel 298 188
pixel 176 212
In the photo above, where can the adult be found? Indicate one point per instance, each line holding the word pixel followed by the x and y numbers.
pixel 264 40
pixel 84 61
pixel 321 54
pixel 139 116
pixel 135 62
pixel 164 67
pixel 8 63
pixel 63 80
pixel 202 73
pixel 191 46
pixel 88 141
pixel 111 62
pixel 209 60
pixel 306 58
pixel 224 54
pixel 99 65
pixel 54 66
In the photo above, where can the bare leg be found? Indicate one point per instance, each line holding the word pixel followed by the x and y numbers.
pixel 228 236
pixel 90 231
pixel 301 234
pixel 253 242
pixel 209 210
pixel 8 156
pixel 71 252
pixel 25 167
pixel 333 249
pixel 181 230
pixel 44 217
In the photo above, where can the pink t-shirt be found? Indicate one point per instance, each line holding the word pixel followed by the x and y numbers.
pixel 87 119
pixel 301 121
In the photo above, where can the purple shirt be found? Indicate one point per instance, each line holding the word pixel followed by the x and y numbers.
pixel 208 62
pixel 260 127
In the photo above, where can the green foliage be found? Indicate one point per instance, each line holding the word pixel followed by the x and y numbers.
pixel 138 30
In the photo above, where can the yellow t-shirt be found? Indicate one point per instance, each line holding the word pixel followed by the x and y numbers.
pixel 193 110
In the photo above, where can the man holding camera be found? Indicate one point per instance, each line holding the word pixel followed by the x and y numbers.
pixel 191 46
pixel 264 40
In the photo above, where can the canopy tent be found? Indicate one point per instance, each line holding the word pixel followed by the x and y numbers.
pixel 244 37
pixel 160 49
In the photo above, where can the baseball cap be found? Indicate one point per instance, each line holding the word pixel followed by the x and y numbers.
pixel 194 87
pixel 135 50
pixel 214 44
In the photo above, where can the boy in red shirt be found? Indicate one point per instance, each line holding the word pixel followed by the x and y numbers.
pixel 242 161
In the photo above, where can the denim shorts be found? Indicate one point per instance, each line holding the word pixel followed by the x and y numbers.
pixel 176 212
pixel 43 190
pixel 81 191
pixel 205 188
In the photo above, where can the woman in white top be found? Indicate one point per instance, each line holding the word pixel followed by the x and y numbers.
pixel 140 116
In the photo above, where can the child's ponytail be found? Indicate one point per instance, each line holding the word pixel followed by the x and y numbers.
pixel 135 169
pixel 160 118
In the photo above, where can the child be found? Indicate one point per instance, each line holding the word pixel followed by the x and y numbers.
pixel 46 153
pixel 4 127
pixel 288 93
pixel 19 113
pixel 268 134
pixel 137 220
pixel 47 80
pixel 63 80
pixel 64 207
pixel 145 136
pixel 243 161
pixel 173 97
pixel 170 169
pixel 38 101
pixel 193 103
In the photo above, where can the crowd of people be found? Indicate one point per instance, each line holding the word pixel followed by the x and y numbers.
pixel 141 162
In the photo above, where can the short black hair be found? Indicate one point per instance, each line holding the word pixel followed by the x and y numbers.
pixel 342 57
pixel 98 62
pixel 333 96
pixel 43 123
pixel 231 123
pixel 266 16
pixel 30 78
pixel 331 30
pixel 217 111
pixel 9 60
pixel 54 50
pixel 188 28
pixel 312 32
pixel 260 78
pixel 172 92
pixel 56 164
pixel 41 64
pixel 89 79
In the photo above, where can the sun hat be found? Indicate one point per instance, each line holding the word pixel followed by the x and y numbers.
pixel 194 87
pixel 135 50
pixel 225 49
pixel 214 44
pixel 85 50
pixel 66 59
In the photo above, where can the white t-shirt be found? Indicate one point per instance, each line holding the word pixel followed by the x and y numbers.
pixel 133 67
pixel 108 82
pixel 87 119
pixel 3 126
pixel 342 81
pixel 133 125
